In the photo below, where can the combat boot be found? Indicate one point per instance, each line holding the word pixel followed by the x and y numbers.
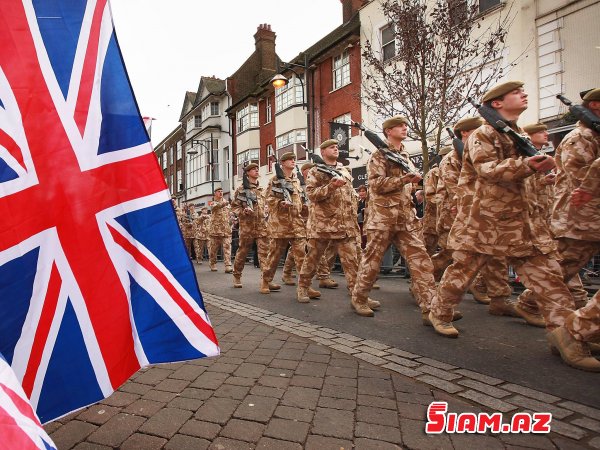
pixel 312 293
pixel 444 328
pixel 213 267
pixel 536 320
pixel 237 281
pixel 480 297
pixel 302 295
pixel 456 315
pixel 228 269
pixel 375 286
pixel 573 352
pixel 501 306
pixel 361 308
pixel 327 283
pixel 288 280
pixel 373 304
pixel 274 286
pixel 264 287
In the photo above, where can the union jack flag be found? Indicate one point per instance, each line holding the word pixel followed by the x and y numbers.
pixel 94 277
pixel 19 425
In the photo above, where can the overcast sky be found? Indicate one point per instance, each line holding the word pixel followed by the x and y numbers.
pixel 169 44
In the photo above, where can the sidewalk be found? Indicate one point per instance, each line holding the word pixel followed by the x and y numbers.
pixel 276 387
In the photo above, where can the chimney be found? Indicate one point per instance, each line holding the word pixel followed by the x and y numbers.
pixel 264 41
pixel 349 8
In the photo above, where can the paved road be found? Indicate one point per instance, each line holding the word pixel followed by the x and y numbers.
pixel 505 348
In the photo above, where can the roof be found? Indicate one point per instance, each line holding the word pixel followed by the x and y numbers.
pixel 213 85
pixel 188 102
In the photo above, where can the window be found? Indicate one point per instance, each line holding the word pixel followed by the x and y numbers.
pixel 341 70
pixel 247 117
pixel 197 121
pixel 458 10
pixel 210 109
pixel 226 163
pixel 247 156
pixel 178 150
pixel 178 181
pixel 344 118
pixel 163 159
pixel 294 138
pixel 193 122
pixel 484 5
pixel 270 157
pixel 288 95
pixel 193 169
pixel 169 157
pixel 268 109
pixel 388 42
pixel 209 168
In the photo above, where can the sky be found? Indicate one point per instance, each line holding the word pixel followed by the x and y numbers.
pixel 168 45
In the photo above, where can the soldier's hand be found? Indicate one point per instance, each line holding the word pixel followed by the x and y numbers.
pixel 248 211
pixel 579 197
pixel 411 178
pixel 549 178
pixel 285 204
pixel 337 182
pixel 541 163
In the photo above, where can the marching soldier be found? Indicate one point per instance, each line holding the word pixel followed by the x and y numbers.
pixel 188 232
pixel 253 226
pixel 332 220
pixel 430 236
pixel 285 223
pixel 200 233
pixel 392 219
pixel 493 218
pixel 219 230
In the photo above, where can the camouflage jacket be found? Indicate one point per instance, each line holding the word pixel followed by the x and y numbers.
pixel 251 225
pixel 187 224
pixel 430 214
pixel 219 219
pixel 578 165
pixel 447 191
pixel 285 222
pixel 332 211
pixel 200 226
pixel 540 195
pixel 390 203
pixel 493 210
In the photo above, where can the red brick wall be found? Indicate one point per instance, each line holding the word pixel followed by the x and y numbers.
pixel 267 131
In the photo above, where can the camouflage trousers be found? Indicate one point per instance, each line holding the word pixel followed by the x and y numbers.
pixel 527 301
pixel 245 244
pixel 538 272
pixel 199 245
pixel 276 249
pixel 213 246
pixel 345 248
pixel 584 324
pixel 412 249
pixel 494 276
pixel 431 242
pixel 443 258
pixel 188 245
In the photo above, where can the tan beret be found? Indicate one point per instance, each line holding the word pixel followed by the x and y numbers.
pixel 467 123
pixel 445 150
pixel 534 128
pixel 250 166
pixel 218 189
pixel 286 156
pixel 327 143
pixel 500 89
pixel 592 96
pixel 307 165
pixel 394 121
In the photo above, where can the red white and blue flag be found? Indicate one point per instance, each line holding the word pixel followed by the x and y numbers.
pixel 94 278
pixel 20 427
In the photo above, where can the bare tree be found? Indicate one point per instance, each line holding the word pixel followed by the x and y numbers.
pixel 443 54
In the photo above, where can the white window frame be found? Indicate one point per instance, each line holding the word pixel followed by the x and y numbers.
pixel 268 110
pixel 252 155
pixel 179 151
pixel 247 117
pixel 340 67
pixel 344 118
pixel 388 43
pixel 289 95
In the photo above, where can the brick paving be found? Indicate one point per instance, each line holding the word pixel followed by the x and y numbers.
pixel 281 383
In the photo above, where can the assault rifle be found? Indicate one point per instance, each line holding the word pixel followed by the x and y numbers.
pixel 302 185
pixel 384 149
pixel 582 113
pixel 247 195
pixel 323 167
pixel 283 186
pixel 458 144
pixel 492 117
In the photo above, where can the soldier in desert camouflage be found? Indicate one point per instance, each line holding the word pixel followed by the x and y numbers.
pixel 285 223
pixel 494 219
pixel 253 226
pixel 392 220
pixel 219 230
pixel 331 222
pixel 430 236
pixel 200 233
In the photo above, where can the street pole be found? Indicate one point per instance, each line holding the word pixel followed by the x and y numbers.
pixel 212 167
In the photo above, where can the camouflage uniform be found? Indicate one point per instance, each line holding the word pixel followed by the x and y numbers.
pixel 200 233
pixel 494 220
pixel 188 229
pixel 285 225
pixel 253 227
pixel 332 222
pixel 219 231
pixel 430 236
pixel 392 219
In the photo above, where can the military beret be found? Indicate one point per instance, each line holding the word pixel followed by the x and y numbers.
pixel 362 187
pixel 394 121
pixel 328 142
pixel 250 166
pixel 445 150
pixel 534 128
pixel 218 189
pixel 500 89
pixel 467 123
pixel 307 165
pixel 592 96
pixel 286 156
